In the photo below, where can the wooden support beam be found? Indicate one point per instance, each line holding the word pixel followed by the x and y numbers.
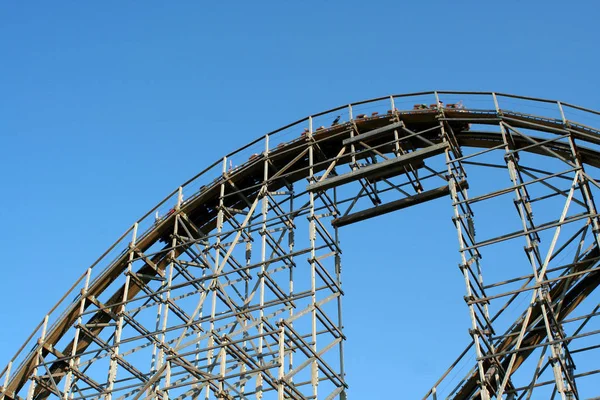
pixel 395 205
pixel 374 132
pixel 386 168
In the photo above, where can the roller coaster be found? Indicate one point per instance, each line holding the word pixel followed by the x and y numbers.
pixel 231 287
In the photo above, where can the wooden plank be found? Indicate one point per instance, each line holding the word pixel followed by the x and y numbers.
pixel 374 132
pixel 387 168
pixel 395 205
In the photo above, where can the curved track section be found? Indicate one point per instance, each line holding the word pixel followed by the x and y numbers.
pixel 231 288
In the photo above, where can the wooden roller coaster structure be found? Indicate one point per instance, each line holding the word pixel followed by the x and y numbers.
pixel 231 287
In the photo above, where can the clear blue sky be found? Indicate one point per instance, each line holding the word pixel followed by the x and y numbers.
pixel 107 106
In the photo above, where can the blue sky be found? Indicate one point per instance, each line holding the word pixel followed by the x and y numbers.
pixel 108 106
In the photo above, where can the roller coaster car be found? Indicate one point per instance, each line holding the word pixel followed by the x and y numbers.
pixel 254 156
pixel 361 116
pixel 420 107
pixel 459 107
pixel 456 106
pixel 319 130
